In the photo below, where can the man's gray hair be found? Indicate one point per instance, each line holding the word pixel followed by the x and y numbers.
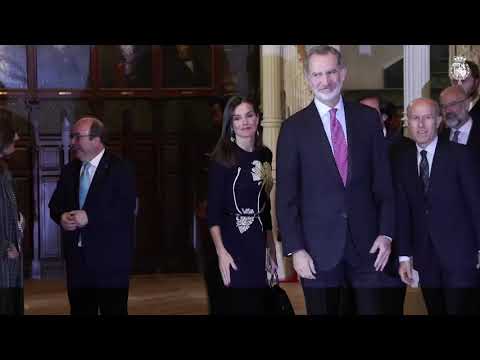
pixel 322 50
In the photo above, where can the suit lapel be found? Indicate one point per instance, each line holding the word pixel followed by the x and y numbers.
pixel 76 183
pixel 100 174
pixel 316 127
pixel 412 169
pixel 474 136
pixel 439 165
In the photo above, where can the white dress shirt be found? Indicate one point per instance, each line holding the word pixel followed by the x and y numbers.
pixel 464 132
pixel 94 164
pixel 324 112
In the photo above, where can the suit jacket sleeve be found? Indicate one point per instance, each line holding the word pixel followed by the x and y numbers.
pixel 470 180
pixel 58 203
pixel 382 182
pixel 288 194
pixel 403 229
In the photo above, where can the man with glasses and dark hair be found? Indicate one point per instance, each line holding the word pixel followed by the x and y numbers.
pixel 461 126
pixel 94 204
pixel 471 85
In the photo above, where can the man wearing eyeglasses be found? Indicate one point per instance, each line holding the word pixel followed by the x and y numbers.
pixel 463 127
pixel 94 204
pixel 437 208
pixel 471 85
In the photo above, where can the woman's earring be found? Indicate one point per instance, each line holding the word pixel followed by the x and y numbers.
pixel 232 136
pixel 258 133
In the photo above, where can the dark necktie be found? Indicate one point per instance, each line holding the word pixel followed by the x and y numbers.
pixel 424 171
pixel 455 136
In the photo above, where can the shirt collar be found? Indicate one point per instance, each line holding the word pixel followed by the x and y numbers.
pixel 430 147
pixel 324 109
pixel 96 160
pixel 465 128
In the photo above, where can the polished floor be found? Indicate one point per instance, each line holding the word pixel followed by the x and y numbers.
pixel 165 294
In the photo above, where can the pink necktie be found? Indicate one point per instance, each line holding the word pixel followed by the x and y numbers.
pixel 340 151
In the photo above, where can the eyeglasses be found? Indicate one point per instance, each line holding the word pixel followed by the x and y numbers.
pixel 454 103
pixel 77 136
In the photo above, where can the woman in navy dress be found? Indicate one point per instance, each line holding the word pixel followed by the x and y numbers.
pixel 239 208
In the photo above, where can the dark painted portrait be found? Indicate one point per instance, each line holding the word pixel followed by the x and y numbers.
pixel 125 66
pixel 187 66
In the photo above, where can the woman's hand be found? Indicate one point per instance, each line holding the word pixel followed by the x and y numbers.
pixel 272 265
pixel 12 252
pixel 225 260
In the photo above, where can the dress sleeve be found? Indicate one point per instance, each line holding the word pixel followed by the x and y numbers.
pixel 217 175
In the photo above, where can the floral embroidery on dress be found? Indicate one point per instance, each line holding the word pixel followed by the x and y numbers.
pixel 263 174
pixel 244 222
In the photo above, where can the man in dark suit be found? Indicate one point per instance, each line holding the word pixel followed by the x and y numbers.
pixel 438 207
pixel 463 127
pixel 94 204
pixel 334 192
pixel 471 85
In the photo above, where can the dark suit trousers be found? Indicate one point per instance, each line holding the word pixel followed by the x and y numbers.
pixel 88 299
pixel 392 292
pixel 448 292
pixel 326 294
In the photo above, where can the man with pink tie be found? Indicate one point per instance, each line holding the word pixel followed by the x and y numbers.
pixel 334 192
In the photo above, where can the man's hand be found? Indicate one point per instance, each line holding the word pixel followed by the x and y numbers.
pixel 68 221
pixel 383 245
pixel 303 265
pixel 80 217
pixel 405 272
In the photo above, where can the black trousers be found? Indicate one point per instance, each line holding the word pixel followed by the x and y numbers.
pixel 93 302
pixel 393 300
pixel 86 295
pixel 449 291
pixel 354 276
pixel 11 301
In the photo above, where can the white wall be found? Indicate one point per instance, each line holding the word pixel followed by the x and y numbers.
pixel 366 71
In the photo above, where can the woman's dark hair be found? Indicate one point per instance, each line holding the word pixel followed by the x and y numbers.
pixel 224 151
pixel 7 130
